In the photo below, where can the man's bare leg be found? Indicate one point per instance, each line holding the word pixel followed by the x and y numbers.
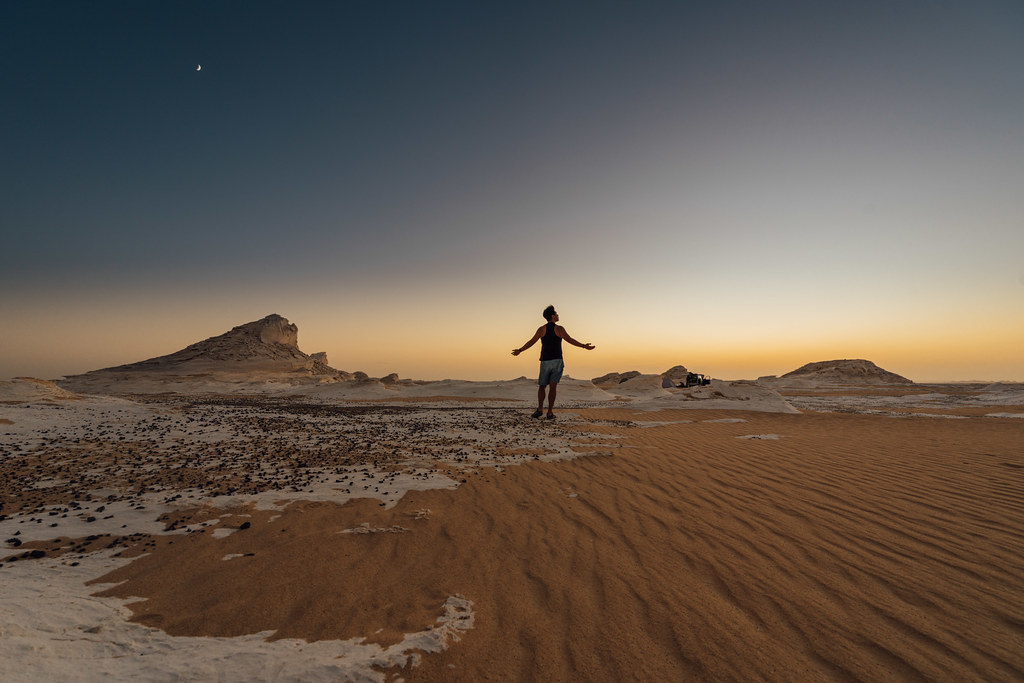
pixel 551 397
pixel 540 399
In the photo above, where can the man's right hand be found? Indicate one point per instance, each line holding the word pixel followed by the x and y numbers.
pixel 515 352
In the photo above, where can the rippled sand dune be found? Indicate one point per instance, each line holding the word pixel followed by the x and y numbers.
pixel 850 547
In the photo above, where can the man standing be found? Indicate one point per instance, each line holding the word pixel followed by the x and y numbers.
pixel 551 365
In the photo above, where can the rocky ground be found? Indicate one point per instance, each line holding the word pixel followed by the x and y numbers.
pixel 81 467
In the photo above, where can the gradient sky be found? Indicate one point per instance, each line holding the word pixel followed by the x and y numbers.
pixel 739 187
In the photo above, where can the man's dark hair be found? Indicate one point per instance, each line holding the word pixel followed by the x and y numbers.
pixel 548 312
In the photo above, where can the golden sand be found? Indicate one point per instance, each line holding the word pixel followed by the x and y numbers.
pixel 849 547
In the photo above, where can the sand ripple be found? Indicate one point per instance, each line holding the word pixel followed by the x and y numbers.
pixel 853 547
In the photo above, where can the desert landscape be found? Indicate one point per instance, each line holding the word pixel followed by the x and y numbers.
pixel 241 510
pixel 283 283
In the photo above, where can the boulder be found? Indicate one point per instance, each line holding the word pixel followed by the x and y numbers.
pixel 676 373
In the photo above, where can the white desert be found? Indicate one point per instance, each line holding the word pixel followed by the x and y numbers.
pixel 241 510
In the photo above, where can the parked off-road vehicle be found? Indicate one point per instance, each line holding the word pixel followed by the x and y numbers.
pixel 695 380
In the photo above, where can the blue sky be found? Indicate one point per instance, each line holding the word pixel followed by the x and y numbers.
pixel 739 187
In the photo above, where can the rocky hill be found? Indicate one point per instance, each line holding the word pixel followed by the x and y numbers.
pixel 857 371
pixel 267 346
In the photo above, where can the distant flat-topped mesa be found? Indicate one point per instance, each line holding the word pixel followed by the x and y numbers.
pixel 267 346
pixel 857 371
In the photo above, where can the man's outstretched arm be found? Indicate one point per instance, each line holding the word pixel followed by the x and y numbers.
pixel 560 331
pixel 538 335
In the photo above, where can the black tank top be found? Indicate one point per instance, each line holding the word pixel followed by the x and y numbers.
pixel 550 344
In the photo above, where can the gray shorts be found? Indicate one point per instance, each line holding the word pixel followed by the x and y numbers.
pixel 550 371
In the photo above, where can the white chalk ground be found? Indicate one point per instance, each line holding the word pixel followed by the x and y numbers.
pixel 916 405
pixel 53 629
pixel 140 515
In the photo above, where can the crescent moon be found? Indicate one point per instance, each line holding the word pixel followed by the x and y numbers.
pixel 199 67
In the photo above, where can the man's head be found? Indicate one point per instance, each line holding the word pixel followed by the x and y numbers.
pixel 549 313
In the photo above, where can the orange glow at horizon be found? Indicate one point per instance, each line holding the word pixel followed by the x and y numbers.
pixel 471 337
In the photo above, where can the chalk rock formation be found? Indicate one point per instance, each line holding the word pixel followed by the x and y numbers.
pixel 273 330
pixel 676 372
pixel 32 390
pixel 674 376
pixel 638 386
pixel 320 365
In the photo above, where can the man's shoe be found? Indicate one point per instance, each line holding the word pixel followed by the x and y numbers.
pixel 537 414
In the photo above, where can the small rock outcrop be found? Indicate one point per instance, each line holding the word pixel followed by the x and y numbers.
pixel 613 378
pixel 319 364
pixel 670 378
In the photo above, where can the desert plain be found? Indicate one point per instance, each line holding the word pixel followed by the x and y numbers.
pixel 242 511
